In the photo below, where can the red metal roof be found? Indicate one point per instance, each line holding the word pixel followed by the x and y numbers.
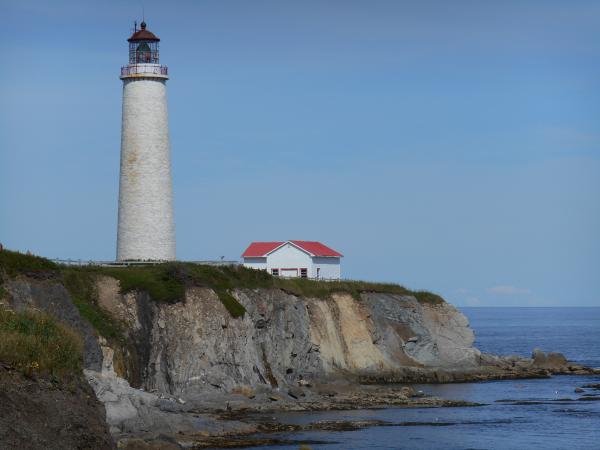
pixel 262 249
pixel 258 249
pixel 316 248
pixel 143 35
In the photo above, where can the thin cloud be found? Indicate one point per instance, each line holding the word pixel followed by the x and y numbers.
pixel 508 290
pixel 473 301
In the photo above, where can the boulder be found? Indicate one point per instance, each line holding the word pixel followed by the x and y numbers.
pixel 552 360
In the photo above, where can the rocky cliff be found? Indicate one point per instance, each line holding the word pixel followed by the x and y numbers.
pixel 284 340
pixel 195 349
pixel 224 346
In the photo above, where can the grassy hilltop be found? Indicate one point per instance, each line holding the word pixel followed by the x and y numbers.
pixel 167 281
pixel 36 342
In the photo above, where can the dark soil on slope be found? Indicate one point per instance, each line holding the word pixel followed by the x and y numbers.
pixel 47 413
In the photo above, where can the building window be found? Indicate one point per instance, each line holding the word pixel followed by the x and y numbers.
pixel 318 272
pixel 303 273
pixel 275 272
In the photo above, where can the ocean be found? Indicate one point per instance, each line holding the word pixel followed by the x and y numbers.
pixel 544 424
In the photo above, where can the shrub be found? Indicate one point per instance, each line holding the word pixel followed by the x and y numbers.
pixel 34 342
pixel 163 281
pixel 81 286
pixel 428 297
pixel 15 263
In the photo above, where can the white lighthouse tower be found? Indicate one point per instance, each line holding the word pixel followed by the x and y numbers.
pixel 146 229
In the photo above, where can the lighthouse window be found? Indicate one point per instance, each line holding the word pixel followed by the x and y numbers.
pixel 143 54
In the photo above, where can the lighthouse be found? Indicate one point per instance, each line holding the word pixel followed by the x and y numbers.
pixel 146 229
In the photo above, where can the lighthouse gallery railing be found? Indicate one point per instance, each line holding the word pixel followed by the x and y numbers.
pixel 144 68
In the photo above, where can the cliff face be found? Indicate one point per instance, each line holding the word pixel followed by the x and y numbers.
pixel 42 410
pixel 284 340
pixel 196 350
pixel 52 297
pixel 158 365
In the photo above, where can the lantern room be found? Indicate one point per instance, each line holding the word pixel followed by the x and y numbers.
pixel 143 46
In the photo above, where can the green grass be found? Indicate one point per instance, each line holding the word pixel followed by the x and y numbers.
pixel 226 278
pixel 167 282
pixel 428 297
pixel 324 289
pixel 223 279
pixel 15 263
pixel 3 292
pixel 81 286
pixel 235 308
pixel 163 282
pixel 34 342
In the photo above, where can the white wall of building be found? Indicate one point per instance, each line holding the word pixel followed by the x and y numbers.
pixel 289 257
pixel 146 227
pixel 329 268
pixel 256 263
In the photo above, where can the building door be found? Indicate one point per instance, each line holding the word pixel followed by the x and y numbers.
pixel 289 273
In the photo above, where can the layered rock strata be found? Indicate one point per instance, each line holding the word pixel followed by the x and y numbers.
pixel 178 362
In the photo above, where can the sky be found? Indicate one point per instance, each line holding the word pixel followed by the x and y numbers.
pixel 447 146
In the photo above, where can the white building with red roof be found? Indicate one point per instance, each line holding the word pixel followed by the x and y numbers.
pixel 304 259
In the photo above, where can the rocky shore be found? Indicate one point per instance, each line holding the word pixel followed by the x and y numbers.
pixel 236 418
pixel 191 374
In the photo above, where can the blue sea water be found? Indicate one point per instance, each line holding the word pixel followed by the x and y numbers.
pixel 545 425
pixel 572 331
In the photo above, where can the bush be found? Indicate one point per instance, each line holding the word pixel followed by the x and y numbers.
pixel 166 282
pixel 15 263
pixel 223 279
pixel 163 281
pixel 34 342
pixel 428 297
pixel 81 286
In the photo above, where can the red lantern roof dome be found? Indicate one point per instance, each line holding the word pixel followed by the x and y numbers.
pixel 143 35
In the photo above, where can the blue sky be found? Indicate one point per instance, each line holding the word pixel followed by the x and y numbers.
pixel 449 146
